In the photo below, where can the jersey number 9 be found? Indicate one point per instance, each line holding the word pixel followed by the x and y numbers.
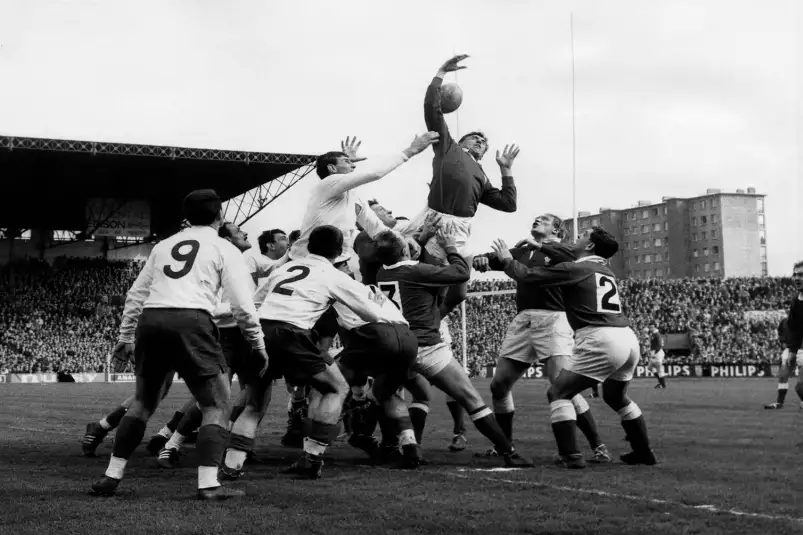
pixel 186 257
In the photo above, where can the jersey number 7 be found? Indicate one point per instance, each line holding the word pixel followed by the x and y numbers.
pixel 391 291
pixel 607 295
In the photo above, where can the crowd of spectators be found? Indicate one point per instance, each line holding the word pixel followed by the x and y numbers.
pixel 64 317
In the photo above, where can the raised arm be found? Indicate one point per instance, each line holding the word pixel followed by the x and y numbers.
pixel 548 277
pixel 503 200
pixel 134 300
pixel 433 114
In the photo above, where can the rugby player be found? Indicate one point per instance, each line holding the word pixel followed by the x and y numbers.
pixel 168 309
pixel 290 302
pixel 459 184
pixel 540 331
pixel 788 362
pixel 656 364
pixel 236 351
pixel 606 348
pixel 414 287
pixel 790 331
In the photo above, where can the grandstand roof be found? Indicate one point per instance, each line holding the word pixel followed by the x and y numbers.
pixel 48 181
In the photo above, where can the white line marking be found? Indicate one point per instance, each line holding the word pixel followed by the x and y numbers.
pixel 613 495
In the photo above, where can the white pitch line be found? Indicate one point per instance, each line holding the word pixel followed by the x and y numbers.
pixel 613 495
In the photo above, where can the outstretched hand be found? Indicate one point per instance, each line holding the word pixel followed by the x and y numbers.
pixel 350 147
pixel 501 250
pixel 451 65
pixel 506 158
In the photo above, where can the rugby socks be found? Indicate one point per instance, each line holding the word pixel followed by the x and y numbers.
pixel 418 416
pixel 662 381
pixel 168 430
pixel 113 419
pixel 486 424
pixel 390 428
pixel 504 411
pixel 585 421
pixel 319 436
pixel 129 436
pixel 237 451
pixel 211 444
pixel 458 416
pixel 564 424
pixel 783 388
pixel 634 426
pixel 189 423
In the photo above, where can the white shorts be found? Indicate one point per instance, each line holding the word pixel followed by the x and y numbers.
pixel 431 360
pixel 446 335
pixel 536 335
pixel 605 353
pixel 796 360
pixel 462 229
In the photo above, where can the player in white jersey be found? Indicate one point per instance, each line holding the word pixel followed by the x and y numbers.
pixel 290 302
pixel 236 351
pixel 168 311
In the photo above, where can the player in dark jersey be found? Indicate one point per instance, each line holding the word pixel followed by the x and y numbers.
pixel 540 331
pixel 414 287
pixel 791 333
pixel 788 361
pixel 606 348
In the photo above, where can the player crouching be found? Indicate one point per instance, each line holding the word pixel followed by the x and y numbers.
pixel 606 348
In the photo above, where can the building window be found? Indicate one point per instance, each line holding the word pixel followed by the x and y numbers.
pixel 762 235
pixel 714 218
pixel 694 206
pixel 760 205
pixel 761 220
pixel 658 257
pixel 666 241
pixel 664 210
pixel 646 243
pixel 659 272
pixel 635 245
pixel 627 246
pixel 648 273
pixel 638 259
pixel 666 225
pixel 694 237
pixel 636 274
pixel 696 253
pixel 647 258
pixel 706 267
pixel 714 234
pixel 694 221
pixel 645 214
pixel 713 203
pixel 705 251
pixel 763 253
pixel 657 242
pixel 627 232
pixel 645 229
pixel 667 270
pixel 705 235
pixel 595 222
pixel 716 266
pixel 715 250
pixel 656 227
pixel 763 269
pixel 655 212
pixel 702 204
pixel 627 261
pixel 697 268
pixel 703 220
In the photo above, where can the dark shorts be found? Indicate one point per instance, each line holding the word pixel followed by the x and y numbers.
pixel 380 349
pixel 237 352
pixel 326 326
pixel 293 353
pixel 175 339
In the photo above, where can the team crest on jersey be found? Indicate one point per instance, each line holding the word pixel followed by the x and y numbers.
pixel 546 261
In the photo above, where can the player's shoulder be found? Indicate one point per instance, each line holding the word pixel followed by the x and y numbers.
pixel 406 269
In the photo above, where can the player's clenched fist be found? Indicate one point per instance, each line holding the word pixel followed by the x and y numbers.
pixel 481 263
pixel 122 354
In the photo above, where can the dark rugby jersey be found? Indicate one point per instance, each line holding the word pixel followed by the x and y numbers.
pixel 414 287
pixel 459 184
pixel 589 288
pixel 365 247
pixel 534 296
pixel 656 342
pixel 794 324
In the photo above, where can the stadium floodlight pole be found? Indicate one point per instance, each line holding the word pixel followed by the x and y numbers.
pixel 576 223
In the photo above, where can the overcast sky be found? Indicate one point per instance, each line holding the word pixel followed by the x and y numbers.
pixel 671 97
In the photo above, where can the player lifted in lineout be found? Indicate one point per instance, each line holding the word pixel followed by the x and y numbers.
pixel 606 348
pixel 790 331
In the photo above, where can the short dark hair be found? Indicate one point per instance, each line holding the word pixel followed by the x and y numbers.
pixel 475 133
pixel 373 202
pixel 225 231
pixel 202 206
pixel 797 265
pixel 389 247
pixel 559 225
pixel 605 245
pixel 325 160
pixel 326 241
pixel 295 235
pixel 269 236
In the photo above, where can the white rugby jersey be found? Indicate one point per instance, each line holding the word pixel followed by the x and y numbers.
pixel 188 270
pixel 300 291
pixel 390 312
pixel 333 201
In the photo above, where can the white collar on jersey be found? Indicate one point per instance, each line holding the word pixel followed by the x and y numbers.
pixel 402 263
pixel 318 258
pixel 592 258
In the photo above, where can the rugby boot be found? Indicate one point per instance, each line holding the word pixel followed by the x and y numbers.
pixel 411 456
pixel 369 445
pixel 773 406
pixel 306 466
pixel 601 455
pixel 225 473
pixel 459 443
pixel 574 461
pixel 168 458
pixel 219 493
pixel 388 453
pixel 639 457
pixel 487 454
pixel 514 460
pixel 104 486
pixel 92 438
pixel 156 444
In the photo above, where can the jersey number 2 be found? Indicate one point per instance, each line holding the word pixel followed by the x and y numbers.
pixel 280 287
pixel 607 295
pixel 188 258
pixel 391 291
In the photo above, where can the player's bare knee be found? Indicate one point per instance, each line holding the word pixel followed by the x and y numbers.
pixel 614 394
